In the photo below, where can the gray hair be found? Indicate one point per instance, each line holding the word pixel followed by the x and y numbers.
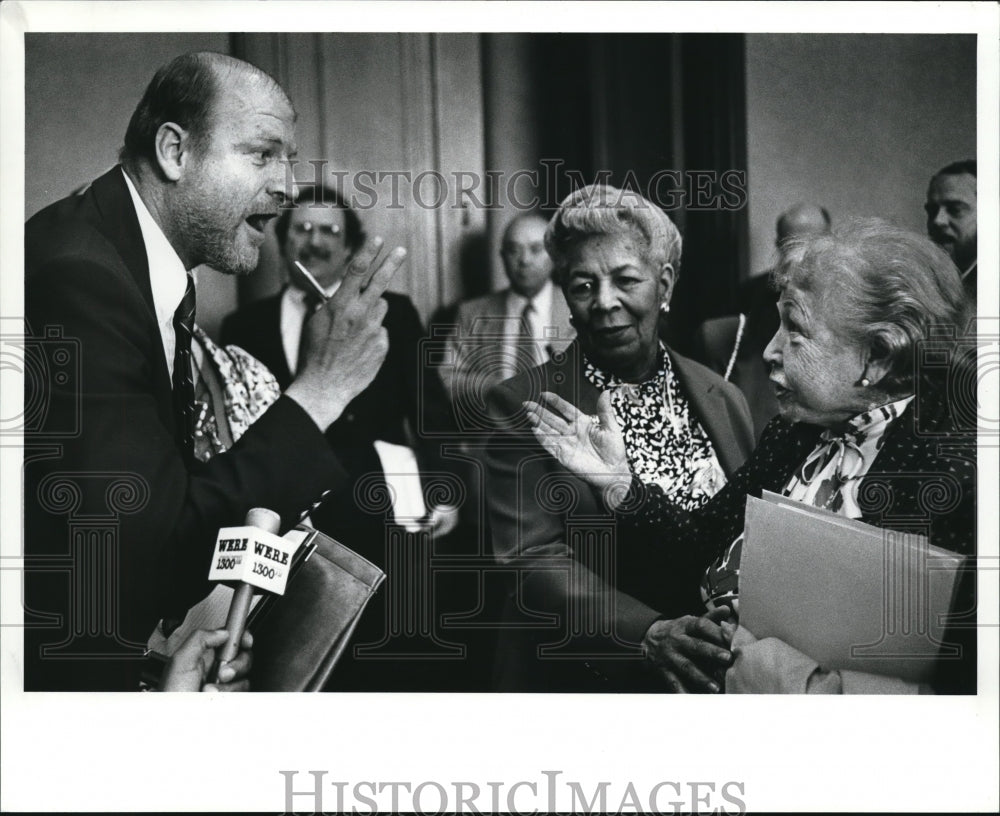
pixel 888 286
pixel 601 209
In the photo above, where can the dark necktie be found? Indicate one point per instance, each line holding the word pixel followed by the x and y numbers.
pixel 527 348
pixel 183 383
pixel 311 301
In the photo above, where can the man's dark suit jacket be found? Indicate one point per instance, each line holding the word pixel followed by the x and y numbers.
pixel 714 343
pixel 119 531
pixel 544 520
pixel 403 392
pixel 406 405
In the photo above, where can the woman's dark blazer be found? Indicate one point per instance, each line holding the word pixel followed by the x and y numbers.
pixel 923 480
pixel 552 530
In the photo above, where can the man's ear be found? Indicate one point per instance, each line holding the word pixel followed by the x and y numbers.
pixel 172 147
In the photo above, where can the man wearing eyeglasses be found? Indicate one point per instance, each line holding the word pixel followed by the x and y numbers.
pixel 373 436
pixel 322 233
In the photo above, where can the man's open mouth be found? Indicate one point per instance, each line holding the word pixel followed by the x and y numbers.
pixel 259 221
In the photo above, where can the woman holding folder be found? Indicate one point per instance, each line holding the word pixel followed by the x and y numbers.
pixel 877 422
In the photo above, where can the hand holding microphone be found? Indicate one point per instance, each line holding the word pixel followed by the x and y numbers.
pixel 251 557
pixel 190 666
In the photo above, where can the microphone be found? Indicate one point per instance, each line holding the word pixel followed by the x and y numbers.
pixel 250 557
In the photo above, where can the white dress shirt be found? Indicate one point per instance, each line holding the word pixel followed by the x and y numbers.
pixel 399 463
pixel 167 278
pixel 540 318
pixel 293 318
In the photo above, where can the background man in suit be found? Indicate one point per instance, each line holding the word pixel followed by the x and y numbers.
pixel 323 233
pixel 505 332
pixel 951 217
pixel 119 503
pixel 734 345
pixel 393 430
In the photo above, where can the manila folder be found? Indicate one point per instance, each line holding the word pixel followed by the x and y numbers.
pixel 849 595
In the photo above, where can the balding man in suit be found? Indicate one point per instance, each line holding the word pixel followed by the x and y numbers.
pixel 951 209
pixel 734 345
pixel 122 504
pixel 506 332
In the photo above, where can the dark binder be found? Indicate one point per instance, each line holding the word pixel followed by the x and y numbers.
pixel 300 636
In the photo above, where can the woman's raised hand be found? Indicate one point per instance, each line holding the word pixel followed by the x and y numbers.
pixel 592 447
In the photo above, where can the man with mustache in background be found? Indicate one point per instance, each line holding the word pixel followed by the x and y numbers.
pixel 323 234
pixel 379 438
pixel 117 507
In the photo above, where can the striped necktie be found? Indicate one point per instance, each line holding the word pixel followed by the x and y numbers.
pixel 183 383
pixel 527 347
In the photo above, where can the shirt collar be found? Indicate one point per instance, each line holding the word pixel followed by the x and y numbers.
pixel 167 275
pixel 297 295
pixel 542 302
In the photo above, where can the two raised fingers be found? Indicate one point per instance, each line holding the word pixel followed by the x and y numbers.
pixel 365 279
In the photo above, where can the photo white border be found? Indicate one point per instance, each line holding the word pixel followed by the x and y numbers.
pixel 224 752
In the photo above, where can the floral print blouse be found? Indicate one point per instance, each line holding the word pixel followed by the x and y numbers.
pixel 247 389
pixel 665 443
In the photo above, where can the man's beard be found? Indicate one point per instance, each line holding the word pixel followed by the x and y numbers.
pixel 216 247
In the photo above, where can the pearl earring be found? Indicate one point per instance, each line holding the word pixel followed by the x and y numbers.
pixel 865 382
pixel 664 307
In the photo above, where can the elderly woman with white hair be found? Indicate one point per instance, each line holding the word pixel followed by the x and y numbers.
pixel 616 257
pixel 877 423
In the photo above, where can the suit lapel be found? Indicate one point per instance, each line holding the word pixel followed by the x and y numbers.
pixel 120 225
pixel 118 222
pixel 902 466
pixel 710 407
pixel 564 376
pixel 484 321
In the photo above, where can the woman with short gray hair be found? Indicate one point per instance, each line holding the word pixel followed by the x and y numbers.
pixel 616 257
pixel 871 377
